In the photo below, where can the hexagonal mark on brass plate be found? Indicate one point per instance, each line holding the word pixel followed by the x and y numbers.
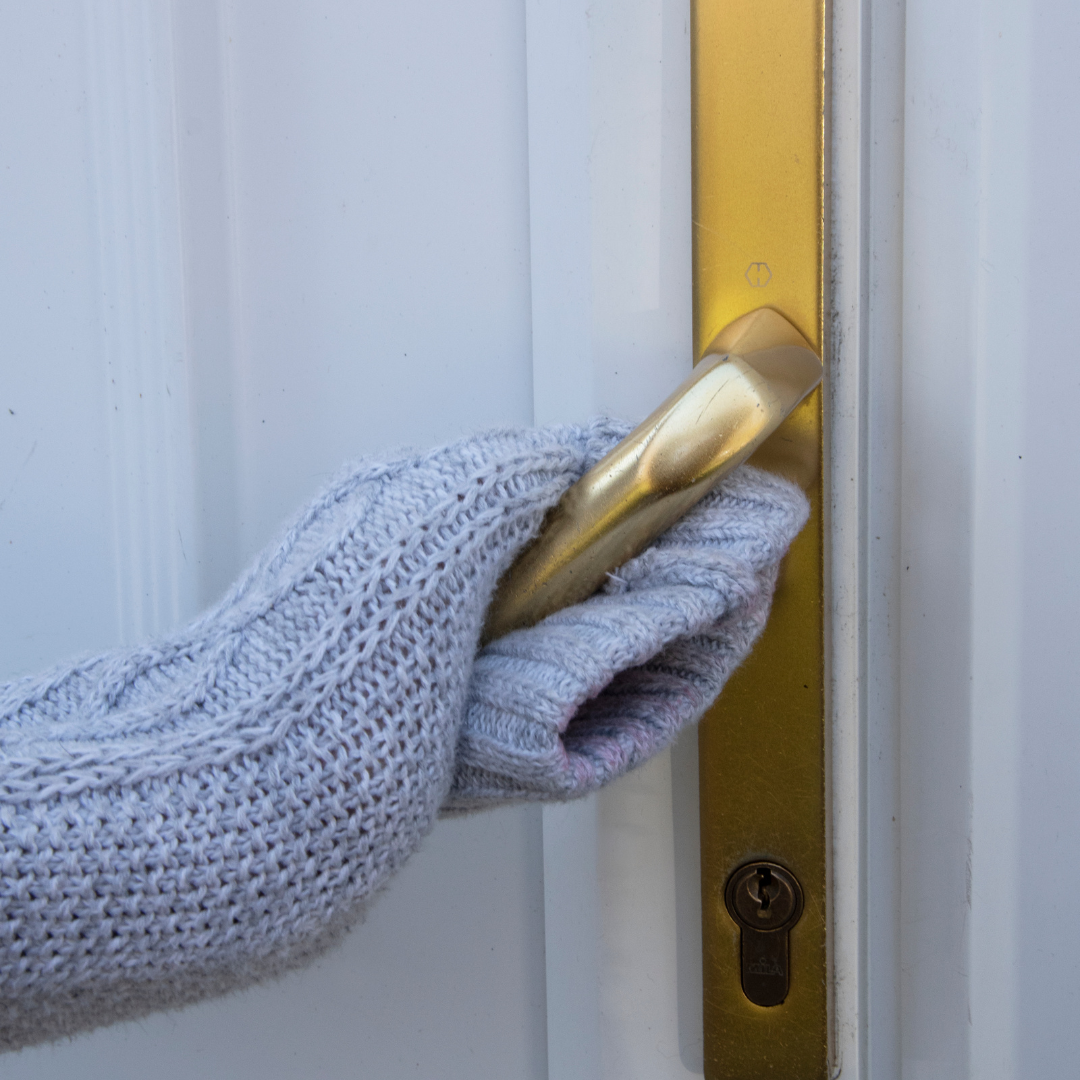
pixel 758 274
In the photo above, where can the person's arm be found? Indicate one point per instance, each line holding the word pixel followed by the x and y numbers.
pixel 189 816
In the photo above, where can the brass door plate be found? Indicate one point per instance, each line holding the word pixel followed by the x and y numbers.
pixel 758 205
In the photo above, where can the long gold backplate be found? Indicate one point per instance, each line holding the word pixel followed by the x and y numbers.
pixel 758 97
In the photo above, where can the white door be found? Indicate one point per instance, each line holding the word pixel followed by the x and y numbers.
pixel 956 162
pixel 244 241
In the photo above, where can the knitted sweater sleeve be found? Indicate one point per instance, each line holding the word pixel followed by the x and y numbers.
pixel 184 818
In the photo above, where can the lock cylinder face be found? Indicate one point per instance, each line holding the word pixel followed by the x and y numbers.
pixel 766 901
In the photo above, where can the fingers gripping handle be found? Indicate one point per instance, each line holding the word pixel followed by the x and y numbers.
pixel 751 378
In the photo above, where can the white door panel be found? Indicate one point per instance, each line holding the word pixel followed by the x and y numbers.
pixel 247 242
pixel 77 495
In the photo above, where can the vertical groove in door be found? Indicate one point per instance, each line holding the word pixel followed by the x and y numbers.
pixel 758 98
pixel 130 111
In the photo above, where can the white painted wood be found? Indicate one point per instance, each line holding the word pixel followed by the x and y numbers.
pixel 650 893
pixel 319 217
pixel 572 929
pixel 559 52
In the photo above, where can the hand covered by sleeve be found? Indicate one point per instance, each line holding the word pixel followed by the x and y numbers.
pixel 184 818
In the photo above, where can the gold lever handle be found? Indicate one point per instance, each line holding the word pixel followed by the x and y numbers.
pixel 755 372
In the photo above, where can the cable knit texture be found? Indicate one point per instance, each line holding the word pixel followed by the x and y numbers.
pixel 185 818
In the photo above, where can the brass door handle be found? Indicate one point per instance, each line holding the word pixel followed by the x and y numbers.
pixel 755 372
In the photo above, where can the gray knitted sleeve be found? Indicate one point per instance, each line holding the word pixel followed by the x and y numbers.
pixel 184 818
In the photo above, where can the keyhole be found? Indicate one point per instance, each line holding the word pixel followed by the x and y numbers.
pixel 766 901
pixel 764 881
